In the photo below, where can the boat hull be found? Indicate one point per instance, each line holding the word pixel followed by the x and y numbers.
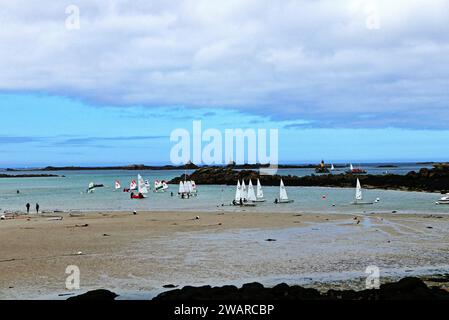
pixel 284 201
pixel 359 203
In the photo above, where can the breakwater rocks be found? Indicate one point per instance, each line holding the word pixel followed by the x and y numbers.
pixel 436 179
pixel 405 289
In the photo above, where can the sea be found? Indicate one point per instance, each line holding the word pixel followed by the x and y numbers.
pixel 68 193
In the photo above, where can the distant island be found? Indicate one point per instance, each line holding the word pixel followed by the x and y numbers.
pixel 29 175
pixel 188 166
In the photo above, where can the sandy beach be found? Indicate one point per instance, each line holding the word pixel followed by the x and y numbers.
pixel 136 255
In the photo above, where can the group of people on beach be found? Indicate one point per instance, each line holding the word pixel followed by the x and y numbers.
pixel 28 207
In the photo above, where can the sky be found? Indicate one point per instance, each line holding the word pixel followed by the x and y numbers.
pixel 354 80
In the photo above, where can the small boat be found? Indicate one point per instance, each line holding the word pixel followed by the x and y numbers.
pixel 92 186
pixel 353 170
pixel 250 201
pixel 259 192
pixel 117 185
pixel 359 195
pixel 133 185
pixel 194 188
pixel 283 197
pixel 444 199
pixel 244 191
pixel 159 186
pixel 332 167
pixel 184 190
pixel 238 194
pixel 141 189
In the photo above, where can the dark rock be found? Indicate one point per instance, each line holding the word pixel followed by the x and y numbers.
pixel 95 295
pixel 405 289
pixel 169 286
pixel 424 180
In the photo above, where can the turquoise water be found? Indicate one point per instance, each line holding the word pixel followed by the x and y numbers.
pixel 68 193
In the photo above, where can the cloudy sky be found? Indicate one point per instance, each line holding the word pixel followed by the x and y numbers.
pixel 341 80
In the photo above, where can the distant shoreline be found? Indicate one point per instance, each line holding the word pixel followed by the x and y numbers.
pixel 4 176
pixel 191 166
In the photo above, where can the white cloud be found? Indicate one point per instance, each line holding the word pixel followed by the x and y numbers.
pixel 313 60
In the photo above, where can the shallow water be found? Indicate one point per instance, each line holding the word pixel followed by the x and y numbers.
pixel 68 193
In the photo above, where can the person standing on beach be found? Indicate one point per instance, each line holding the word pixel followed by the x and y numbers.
pixel 28 207
pixel 37 207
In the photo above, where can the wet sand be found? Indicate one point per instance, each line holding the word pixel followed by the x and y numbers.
pixel 138 254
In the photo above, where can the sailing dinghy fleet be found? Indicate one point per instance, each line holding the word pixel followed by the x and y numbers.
pixel 187 189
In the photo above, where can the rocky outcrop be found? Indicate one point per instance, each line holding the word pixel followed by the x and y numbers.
pixel 95 295
pixel 436 179
pixel 405 289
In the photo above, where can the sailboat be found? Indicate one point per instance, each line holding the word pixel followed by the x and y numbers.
pixel 359 195
pixel 244 191
pixel 332 167
pixel 133 185
pixel 251 196
pixel 259 192
pixel 91 188
pixel 117 185
pixel 353 170
pixel 238 194
pixel 283 197
pixel 141 189
pixel 158 186
pixel 183 191
pixel 194 189
pixel 444 199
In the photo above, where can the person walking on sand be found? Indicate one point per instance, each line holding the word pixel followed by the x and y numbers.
pixel 28 207
pixel 37 207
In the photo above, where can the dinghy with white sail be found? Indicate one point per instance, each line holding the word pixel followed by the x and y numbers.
pixel 117 185
pixel 244 192
pixel 259 192
pixel 251 197
pixel 283 197
pixel 359 195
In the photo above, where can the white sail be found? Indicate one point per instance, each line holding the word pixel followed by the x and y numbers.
pixel 332 167
pixel 181 187
pixel 351 167
pixel 358 191
pixel 193 186
pixel 259 192
pixel 238 191
pixel 251 194
pixel 244 192
pixel 282 192
pixel 188 186
pixel 147 184
pixel 164 185
pixel 141 187
pixel 133 185
pixel 117 185
pixel 91 187
pixel 158 186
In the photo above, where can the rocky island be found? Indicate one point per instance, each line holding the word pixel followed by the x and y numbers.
pixel 430 180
